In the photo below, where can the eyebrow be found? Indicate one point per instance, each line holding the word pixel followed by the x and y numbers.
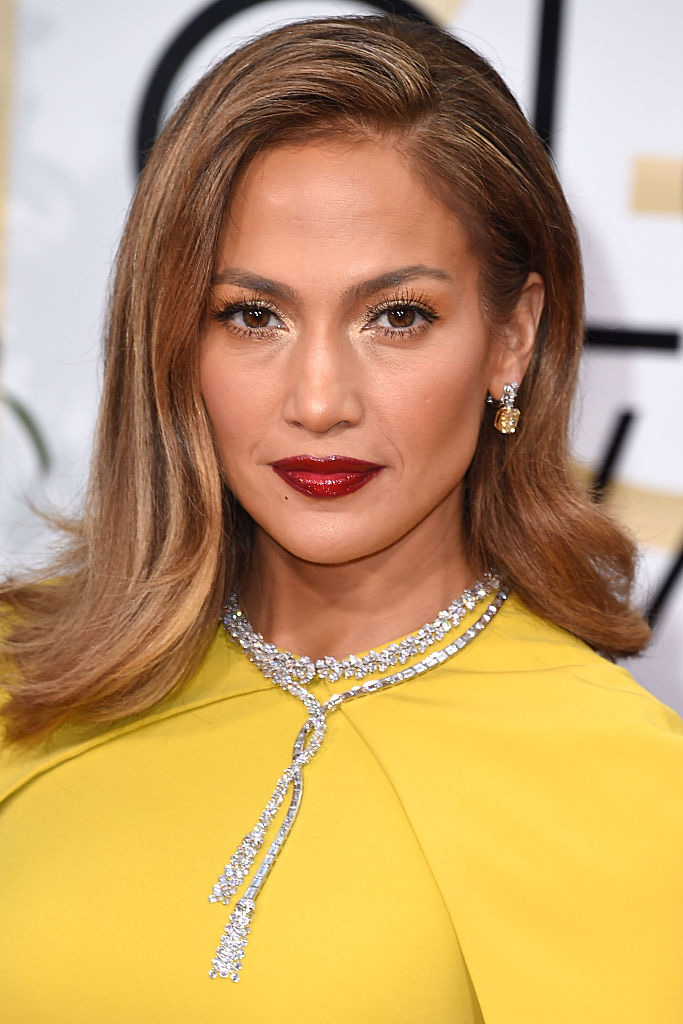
pixel 361 290
pixel 254 282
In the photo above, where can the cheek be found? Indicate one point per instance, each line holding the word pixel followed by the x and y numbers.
pixel 226 403
pixel 440 414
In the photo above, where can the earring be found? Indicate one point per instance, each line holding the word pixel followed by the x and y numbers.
pixel 507 417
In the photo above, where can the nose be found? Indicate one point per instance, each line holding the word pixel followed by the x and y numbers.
pixel 324 386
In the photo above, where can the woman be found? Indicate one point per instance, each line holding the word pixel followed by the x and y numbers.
pixel 347 256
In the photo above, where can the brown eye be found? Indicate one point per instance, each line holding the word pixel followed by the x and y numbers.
pixel 400 316
pixel 240 316
pixel 256 317
pixel 404 317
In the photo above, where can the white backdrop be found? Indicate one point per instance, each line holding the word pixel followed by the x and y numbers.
pixel 70 102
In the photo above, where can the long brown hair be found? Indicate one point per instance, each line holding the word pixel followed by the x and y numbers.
pixel 138 591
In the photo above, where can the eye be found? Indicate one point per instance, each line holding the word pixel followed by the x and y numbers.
pixel 403 316
pixel 253 317
pixel 398 317
pixel 248 317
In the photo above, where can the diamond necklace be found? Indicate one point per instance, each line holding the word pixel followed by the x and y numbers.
pixel 290 672
pixel 281 665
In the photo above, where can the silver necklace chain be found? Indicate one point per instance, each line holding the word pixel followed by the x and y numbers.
pixel 227 962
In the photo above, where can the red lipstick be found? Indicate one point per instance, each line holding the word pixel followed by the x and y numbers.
pixel 331 476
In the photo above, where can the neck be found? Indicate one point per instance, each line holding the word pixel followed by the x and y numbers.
pixel 319 610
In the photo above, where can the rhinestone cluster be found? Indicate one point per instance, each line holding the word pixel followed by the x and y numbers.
pixel 281 666
pixel 228 960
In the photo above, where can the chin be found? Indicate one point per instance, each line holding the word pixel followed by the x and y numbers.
pixel 332 548
pixel 329 554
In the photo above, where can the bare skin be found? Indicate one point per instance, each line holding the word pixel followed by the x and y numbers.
pixel 347 320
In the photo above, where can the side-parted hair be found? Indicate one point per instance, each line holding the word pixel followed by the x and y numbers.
pixel 129 609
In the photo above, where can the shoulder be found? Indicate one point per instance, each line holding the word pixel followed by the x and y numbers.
pixel 551 702
pixel 567 760
pixel 596 732
pixel 220 677
pixel 541 659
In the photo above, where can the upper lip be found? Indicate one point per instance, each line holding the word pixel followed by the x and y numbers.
pixel 324 464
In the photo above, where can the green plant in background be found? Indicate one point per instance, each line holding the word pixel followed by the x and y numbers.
pixel 31 427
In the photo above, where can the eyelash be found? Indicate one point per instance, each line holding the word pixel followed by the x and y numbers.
pixel 404 301
pixel 226 310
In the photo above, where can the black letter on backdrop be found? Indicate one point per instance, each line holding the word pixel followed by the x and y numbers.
pixel 614 338
pixel 182 45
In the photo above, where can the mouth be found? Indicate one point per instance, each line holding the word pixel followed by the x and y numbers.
pixel 331 476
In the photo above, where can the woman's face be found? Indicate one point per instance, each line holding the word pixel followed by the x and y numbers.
pixel 346 360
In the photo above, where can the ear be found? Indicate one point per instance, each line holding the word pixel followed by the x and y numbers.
pixel 513 342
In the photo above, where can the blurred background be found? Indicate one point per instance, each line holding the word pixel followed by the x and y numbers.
pixel 84 85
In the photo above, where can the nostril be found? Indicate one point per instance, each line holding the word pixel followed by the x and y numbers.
pixel 323 398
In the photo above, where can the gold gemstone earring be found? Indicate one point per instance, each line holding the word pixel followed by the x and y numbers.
pixel 507 417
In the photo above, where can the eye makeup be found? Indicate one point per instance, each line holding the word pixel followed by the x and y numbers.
pixel 403 307
pixel 405 314
pixel 256 313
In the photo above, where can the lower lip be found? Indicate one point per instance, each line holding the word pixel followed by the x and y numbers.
pixel 325 485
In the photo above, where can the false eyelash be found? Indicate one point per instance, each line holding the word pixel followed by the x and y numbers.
pixel 407 298
pixel 224 310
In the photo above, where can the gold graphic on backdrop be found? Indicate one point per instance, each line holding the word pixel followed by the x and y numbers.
pixel 441 11
pixel 657 184
pixel 654 518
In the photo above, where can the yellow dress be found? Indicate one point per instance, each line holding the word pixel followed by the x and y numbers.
pixel 498 840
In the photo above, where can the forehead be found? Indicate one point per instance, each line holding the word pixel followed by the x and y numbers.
pixel 332 193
